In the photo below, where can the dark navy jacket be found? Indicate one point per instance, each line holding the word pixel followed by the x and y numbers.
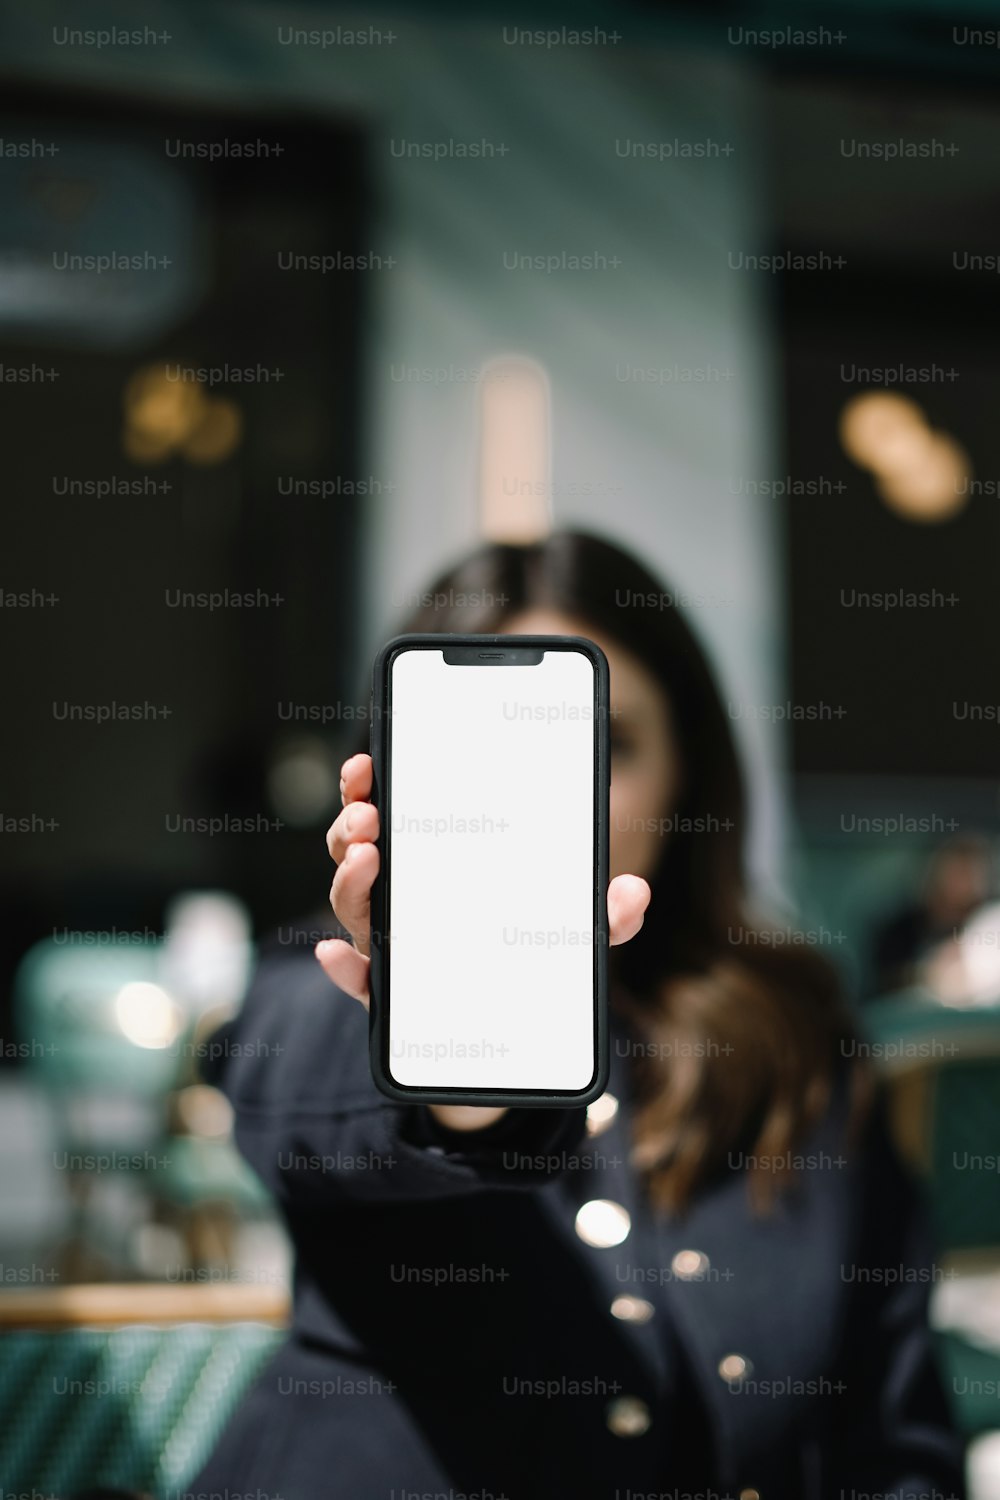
pixel 458 1332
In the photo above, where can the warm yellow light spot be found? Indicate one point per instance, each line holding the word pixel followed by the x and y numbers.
pixel 147 1015
pixel 932 486
pixel 164 416
pixel 875 424
pixel 920 473
pixel 602 1223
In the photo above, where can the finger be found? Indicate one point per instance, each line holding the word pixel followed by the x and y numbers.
pixel 350 894
pixel 356 824
pixel 356 779
pixel 345 966
pixel 628 897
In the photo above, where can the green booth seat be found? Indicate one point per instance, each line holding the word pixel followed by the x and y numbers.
pixel 136 1408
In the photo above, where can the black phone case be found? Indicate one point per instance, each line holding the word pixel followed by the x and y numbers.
pixel 380 979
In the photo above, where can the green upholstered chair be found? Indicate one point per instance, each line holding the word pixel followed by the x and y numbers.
pixel 136 1406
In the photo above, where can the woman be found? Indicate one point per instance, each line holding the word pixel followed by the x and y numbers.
pixel 685 1293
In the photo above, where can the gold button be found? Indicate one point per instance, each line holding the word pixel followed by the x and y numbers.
pixel 749 1494
pixel 601 1114
pixel 632 1309
pixel 602 1223
pixel 689 1265
pixel 733 1367
pixel 628 1417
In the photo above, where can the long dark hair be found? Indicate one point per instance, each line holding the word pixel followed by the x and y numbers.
pixel 738 1039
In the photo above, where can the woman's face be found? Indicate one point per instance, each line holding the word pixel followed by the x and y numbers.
pixel 645 768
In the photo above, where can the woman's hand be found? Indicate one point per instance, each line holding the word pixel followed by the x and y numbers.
pixel 353 849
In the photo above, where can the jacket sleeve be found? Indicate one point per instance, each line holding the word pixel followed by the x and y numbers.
pixel 898 1437
pixel 310 1121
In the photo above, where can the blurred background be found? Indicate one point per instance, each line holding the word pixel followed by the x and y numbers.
pixel 253 260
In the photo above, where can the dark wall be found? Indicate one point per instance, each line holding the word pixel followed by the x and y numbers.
pixel 116 788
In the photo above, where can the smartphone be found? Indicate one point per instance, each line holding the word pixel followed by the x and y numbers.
pixel 489 913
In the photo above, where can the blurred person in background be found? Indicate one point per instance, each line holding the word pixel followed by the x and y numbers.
pixel 918 944
pixel 712 1281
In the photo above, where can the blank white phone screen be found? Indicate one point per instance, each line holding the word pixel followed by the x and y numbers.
pixel 492 871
